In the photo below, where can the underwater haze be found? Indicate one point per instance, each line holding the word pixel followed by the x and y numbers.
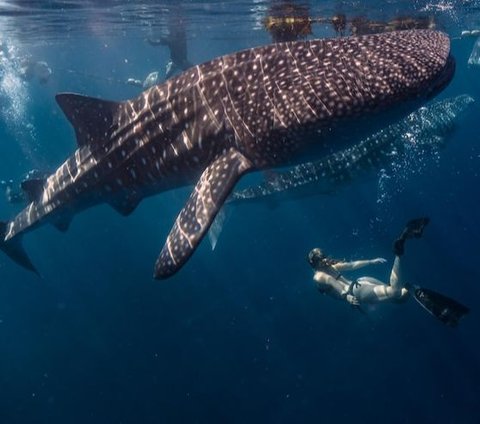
pixel 240 334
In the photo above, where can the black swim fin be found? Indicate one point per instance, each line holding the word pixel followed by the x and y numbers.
pixel 14 249
pixel 413 229
pixel 443 308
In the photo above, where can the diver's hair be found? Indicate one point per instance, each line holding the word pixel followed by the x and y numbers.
pixel 330 261
pixel 318 260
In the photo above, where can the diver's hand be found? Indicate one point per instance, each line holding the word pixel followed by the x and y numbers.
pixel 377 261
pixel 350 298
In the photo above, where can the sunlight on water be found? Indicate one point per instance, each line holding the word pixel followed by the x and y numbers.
pixel 15 99
pixel 13 89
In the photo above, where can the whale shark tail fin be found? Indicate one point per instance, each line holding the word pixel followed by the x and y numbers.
pixel 14 250
pixel 443 308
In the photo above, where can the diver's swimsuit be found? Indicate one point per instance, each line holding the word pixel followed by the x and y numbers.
pixel 351 287
pixel 332 272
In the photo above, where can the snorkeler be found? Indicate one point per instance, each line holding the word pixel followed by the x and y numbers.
pixel 25 66
pixel 368 290
pixel 39 70
pixel 176 41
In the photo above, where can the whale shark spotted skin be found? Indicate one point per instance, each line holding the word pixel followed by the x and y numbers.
pixel 251 110
pixel 424 130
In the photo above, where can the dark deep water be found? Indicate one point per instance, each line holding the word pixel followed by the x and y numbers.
pixel 240 334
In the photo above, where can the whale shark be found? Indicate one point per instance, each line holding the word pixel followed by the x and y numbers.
pixel 422 133
pixel 251 110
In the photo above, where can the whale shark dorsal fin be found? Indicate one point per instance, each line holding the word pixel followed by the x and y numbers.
pixel 194 220
pixel 33 188
pixel 90 117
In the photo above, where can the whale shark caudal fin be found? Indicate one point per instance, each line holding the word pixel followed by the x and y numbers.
pixel 14 249
pixel 194 220
pixel 90 117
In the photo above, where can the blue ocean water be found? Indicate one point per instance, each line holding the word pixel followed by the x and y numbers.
pixel 240 334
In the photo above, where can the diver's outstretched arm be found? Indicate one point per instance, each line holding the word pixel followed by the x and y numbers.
pixel 353 265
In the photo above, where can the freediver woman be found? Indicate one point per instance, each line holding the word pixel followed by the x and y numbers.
pixel 330 280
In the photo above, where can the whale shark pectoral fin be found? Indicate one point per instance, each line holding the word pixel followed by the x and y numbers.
pixel 194 220
pixel 14 250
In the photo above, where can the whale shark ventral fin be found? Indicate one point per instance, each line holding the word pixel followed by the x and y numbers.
pixel 14 249
pixel 194 220
pixel 125 205
pixel 90 117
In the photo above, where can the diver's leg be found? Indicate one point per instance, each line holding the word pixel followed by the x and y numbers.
pixel 395 275
pixel 371 290
pixel 396 288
